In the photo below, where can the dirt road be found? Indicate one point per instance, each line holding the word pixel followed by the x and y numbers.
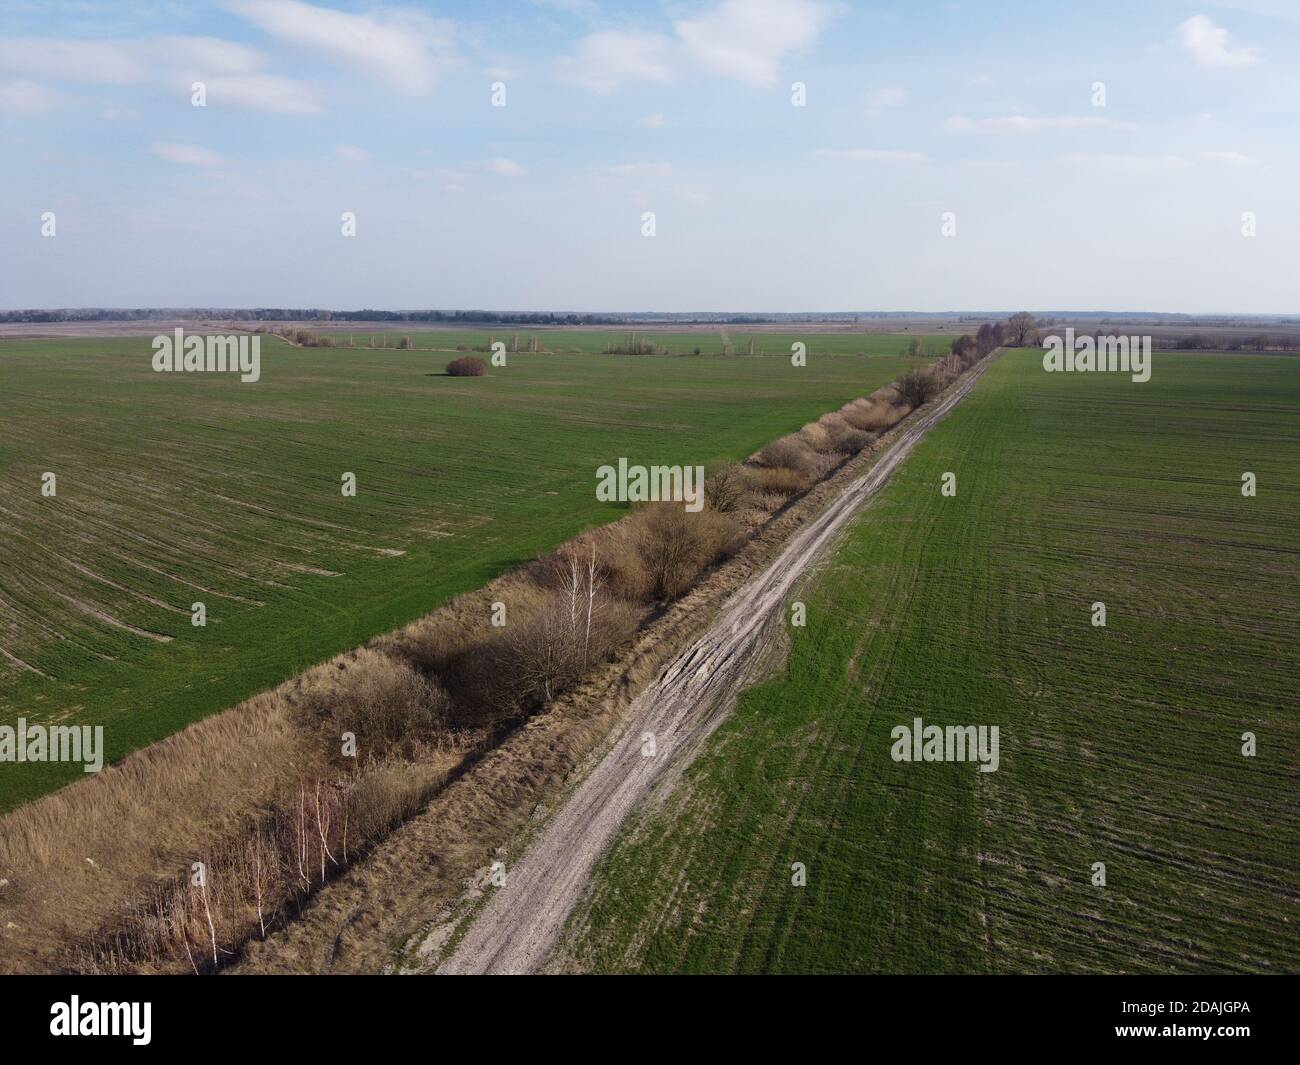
pixel 520 924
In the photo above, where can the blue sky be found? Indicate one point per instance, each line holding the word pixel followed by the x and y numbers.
pixel 985 110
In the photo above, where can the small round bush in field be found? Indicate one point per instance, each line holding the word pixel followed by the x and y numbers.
pixel 467 366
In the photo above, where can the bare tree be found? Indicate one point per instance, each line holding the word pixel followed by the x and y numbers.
pixel 592 583
pixel 964 347
pixel 916 388
pixel 257 879
pixel 1022 329
pixel 989 337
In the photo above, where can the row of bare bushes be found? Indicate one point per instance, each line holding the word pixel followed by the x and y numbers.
pixel 635 345
pixel 182 853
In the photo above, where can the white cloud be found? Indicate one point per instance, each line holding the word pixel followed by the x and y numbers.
pixel 872 155
pixel 204 56
pixel 747 39
pixel 407 49
pixel 26 98
pixel 607 59
pixel 351 154
pixel 504 167
pixel 1228 158
pixel 1032 124
pixel 110 62
pixel 460 178
pixel 187 154
pixel 880 100
pixel 741 39
pixel 265 92
pixel 229 70
pixel 1209 44
pixel 654 121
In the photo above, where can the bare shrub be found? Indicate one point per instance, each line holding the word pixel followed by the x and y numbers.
pixel 381 700
pixel 556 630
pixel 816 436
pixel 845 438
pixel 727 487
pixel 918 387
pixel 467 366
pixel 677 545
pixel 620 563
pixel 635 345
pixel 548 652
pixel 790 452
pixel 851 441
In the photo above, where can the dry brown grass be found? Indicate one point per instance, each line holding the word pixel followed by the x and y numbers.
pixel 100 873
pixel 876 416
pixel 780 481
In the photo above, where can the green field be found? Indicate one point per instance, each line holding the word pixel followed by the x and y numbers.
pixel 595 341
pixel 182 488
pixel 1120 745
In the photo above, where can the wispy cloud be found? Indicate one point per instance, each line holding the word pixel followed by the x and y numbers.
pixel 504 168
pixel 605 60
pixel 27 98
pixel 459 178
pixel 351 154
pixel 872 155
pixel 108 62
pixel 187 154
pixel 230 71
pixel 265 92
pixel 1211 46
pixel 1032 123
pixel 1228 158
pixel 404 48
pixel 745 40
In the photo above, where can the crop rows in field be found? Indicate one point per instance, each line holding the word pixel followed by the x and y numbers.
pixel 1119 745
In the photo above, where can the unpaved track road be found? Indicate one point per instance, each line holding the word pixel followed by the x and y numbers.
pixel 519 925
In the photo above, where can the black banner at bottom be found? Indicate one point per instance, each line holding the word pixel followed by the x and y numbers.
pixel 143 1014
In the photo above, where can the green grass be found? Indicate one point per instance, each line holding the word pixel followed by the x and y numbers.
pixel 709 343
pixel 177 488
pixel 1119 745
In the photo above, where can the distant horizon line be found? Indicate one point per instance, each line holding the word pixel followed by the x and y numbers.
pixel 467 313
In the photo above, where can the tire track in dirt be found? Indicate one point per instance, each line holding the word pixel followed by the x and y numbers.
pixel 519 925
